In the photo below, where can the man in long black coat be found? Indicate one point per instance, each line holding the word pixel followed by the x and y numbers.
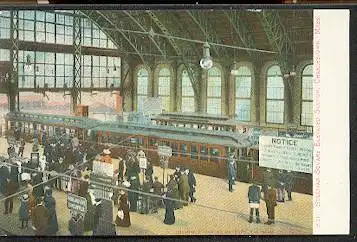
pixel 192 184
pixel 132 195
pixel 97 215
pixel 50 204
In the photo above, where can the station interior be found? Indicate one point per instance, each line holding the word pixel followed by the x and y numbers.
pixel 176 90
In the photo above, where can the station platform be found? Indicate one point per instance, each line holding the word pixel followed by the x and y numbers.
pixel 216 212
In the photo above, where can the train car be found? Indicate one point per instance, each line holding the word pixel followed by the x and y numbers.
pixel 203 152
pixel 47 123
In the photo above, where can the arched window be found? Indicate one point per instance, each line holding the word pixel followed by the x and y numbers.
pixel 214 84
pixel 164 88
pixel 243 81
pixel 188 96
pixel 142 88
pixel 306 96
pixel 275 96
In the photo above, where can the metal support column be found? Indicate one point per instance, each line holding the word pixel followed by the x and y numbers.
pixel 14 53
pixel 77 51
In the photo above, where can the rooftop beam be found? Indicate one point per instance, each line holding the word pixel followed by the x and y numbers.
pixel 191 70
pixel 241 29
pixel 203 22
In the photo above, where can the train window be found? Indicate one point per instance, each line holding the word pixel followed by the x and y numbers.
pixel 112 139
pixel 181 125
pixel 152 142
pixel 210 127
pixel 214 154
pixel 140 140
pixel 183 150
pixel 229 150
pixel 204 153
pixel 194 153
pixel 105 139
pixel 195 126
pixel 174 147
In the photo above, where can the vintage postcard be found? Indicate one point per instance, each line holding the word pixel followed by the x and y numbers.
pixel 174 121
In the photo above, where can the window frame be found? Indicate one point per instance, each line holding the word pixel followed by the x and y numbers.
pixel 301 93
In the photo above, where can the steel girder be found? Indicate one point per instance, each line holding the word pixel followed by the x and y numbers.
pixel 192 69
pixel 285 48
pixel 140 22
pixel 242 30
pixel 14 59
pixel 132 41
pixel 77 54
pixel 203 22
pixel 278 39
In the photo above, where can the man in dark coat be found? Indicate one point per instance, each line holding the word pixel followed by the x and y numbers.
pixel 149 171
pixel 132 195
pixel 11 188
pixel 269 180
pixel 75 225
pixel 4 174
pixel 22 147
pixel 121 171
pixel 89 216
pixel 254 202
pixel 158 190
pixel 38 189
pixel 270 201
pixel 40 217
pixel 231 174
pixel 169 208
pixel 192 184
pixel 98 210
pixel 184 188
pixel 50 204
pixel 289 183
pixel 83 186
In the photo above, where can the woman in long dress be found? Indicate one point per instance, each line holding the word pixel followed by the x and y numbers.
pixel 123 216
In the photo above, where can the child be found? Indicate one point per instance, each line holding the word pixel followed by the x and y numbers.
pixel 24 211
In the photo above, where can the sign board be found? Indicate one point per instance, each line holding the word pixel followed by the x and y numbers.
pixel 152 105
pixel 164 151
pixel 295 134
pixel 76 203
pixel 286 153
pixel 102 168
pixel 102 191
pixel 142 163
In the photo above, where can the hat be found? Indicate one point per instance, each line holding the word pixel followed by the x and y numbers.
pixel 119 158
pixel 97 200
pixel 106 152
pixel 133 178
pixel 25 196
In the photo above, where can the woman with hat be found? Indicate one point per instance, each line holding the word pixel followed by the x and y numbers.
pixel 50 204
pixel 123 216
pixel 24 211
pixel 169 208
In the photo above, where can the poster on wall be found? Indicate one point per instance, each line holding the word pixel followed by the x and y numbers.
pixel 290 154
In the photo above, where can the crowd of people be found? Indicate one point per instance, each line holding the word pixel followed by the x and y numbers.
pixel 64 154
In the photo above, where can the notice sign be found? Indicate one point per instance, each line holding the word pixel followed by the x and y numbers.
pixel 76 203
pixel 286 153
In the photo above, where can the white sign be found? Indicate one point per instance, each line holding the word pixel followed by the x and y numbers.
pixel 164 151
pixel 142 163
pixel 76 203
pixel 286 153
pixel 103 168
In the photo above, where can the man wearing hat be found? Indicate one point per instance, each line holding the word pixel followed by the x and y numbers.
pixel 106 158
pixel 98 210
pixel 231 172
pixel 50 204
pixel 158 190
pixel 40 218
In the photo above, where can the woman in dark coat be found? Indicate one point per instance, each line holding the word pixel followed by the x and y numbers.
pixel 50 204
pixel 24 213
pixel 89 216
pixel 169 208
pixel 123 216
